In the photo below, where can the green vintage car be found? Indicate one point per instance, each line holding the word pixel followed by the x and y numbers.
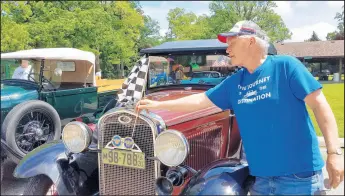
pixel 41 91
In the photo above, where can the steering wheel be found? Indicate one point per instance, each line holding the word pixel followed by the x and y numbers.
pixel 43 78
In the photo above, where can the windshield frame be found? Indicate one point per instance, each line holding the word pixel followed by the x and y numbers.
pixel 209 51
pixel 40 73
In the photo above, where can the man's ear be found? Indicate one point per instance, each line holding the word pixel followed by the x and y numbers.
pixel 252 41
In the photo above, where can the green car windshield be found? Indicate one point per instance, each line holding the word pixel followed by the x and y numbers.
pixel 188 69
pixel 12 69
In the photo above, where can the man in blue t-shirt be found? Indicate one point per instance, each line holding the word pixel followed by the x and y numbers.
pixel 269 97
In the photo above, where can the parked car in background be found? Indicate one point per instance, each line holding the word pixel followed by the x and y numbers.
pixel 157 152
pixel 323 74
pixel 204 77
pixel 60 87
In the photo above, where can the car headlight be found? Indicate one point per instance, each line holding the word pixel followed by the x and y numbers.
pixel 76 136
pixel 171 148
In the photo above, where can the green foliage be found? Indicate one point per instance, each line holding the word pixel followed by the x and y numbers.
pixel 226 13
pixel 110 30
pixel 14 36
pixel 340 18
pixel 149 35
pixel 116 30
pixel 186 26
pixel 338 34
pixel 335 35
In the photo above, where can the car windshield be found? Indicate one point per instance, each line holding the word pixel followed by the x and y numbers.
pixel 30 70
pixel 188 69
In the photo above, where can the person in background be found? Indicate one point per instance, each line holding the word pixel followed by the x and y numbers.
pixel 99 74
pixel 179 74
pixel 22 72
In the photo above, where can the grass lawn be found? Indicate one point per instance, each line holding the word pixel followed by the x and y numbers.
pixel 335 97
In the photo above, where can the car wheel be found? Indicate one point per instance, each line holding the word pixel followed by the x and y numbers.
pixel 40 185
pixel 29 125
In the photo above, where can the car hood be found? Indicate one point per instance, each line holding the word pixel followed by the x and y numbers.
pixel 12 95
pixel 171 118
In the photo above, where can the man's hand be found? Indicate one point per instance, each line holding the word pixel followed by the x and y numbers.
pixel 146 104
pixel 335 169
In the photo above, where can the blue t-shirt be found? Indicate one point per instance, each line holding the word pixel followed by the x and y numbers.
pixel 277 133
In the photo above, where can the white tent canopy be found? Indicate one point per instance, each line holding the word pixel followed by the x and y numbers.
pixel 51 54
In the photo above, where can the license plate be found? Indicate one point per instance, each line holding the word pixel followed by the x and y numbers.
pixel 124 158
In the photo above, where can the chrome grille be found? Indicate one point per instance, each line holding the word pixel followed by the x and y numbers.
pixel 204 147
pixel 117 180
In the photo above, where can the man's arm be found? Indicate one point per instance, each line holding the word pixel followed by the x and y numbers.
pixel 305 87
pixel 326 121
pixel 216 96
pixel 186 104
pixel 325 118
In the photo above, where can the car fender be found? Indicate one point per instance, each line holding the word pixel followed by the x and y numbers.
pixel 42 160
pixel 230 178
pixel 73 175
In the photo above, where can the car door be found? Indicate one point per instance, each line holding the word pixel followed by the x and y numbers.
pixel 72 103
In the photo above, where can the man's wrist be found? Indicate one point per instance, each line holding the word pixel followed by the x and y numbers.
pixel 337 151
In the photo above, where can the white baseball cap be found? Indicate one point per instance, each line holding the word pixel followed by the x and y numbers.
pixel 243 27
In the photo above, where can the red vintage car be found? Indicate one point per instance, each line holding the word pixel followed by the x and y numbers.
pixel 158 152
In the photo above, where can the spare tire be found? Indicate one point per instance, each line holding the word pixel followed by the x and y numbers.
pixel 29 125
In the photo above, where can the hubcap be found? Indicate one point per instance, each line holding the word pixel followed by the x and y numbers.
pixel 34 129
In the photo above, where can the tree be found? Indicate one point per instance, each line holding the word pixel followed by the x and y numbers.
pixel 14 36
pixel 226 13
pixel 340 18
pixel 186 25
pixel 149 33
pixel 335 35
pixel 313 38
pixel 338 34
pixel 110 30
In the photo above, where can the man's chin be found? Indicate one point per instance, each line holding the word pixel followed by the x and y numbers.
pixel 234 64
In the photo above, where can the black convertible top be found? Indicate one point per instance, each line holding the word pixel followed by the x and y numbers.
pixel 209 46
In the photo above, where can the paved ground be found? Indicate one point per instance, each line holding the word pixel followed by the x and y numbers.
pixel 15 186
pixel 10 185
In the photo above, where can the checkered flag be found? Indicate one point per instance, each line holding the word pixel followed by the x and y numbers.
pixel 134 85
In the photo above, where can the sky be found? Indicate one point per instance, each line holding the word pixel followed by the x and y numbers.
pixel 301 17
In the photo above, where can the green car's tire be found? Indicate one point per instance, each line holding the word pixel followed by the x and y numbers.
pixel 33 120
